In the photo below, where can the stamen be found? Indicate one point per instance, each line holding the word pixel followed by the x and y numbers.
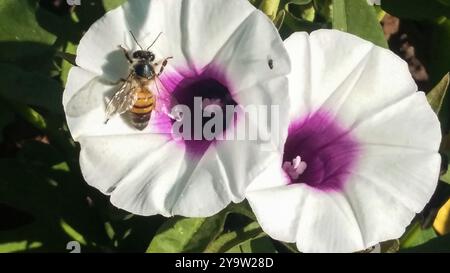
pixel 207 102
pixel 295 168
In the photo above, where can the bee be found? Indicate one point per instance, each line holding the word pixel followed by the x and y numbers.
pixel 140 92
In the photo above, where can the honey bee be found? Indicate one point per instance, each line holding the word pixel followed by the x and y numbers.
pixel 140 93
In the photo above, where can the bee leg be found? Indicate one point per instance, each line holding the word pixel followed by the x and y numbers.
pixel 163 64
pixel 127 55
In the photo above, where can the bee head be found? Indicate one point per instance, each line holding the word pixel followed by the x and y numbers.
pixel 144 54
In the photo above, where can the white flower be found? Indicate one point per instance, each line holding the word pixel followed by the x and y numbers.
pixel 219 50
pixel 369 142
pixel 374 2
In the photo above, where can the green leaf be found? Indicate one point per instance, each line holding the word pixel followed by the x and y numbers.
pixel 18 246
pixel 359 18
pixel 445 2
pixel 74 235
pixel 56 202
pixel 446 177
pixel 112 4
pixel 415 236
pixel 324 8
pixel 18 23
pixel 242 208
pixel 31 88
pixel 270 8
pixel 439 244
pixel 259 245
pixel 179 234
pixel 436 96
pixel 439 65
pixel 68 57
pixel 416 9
pixel 298 17
pixel 279 20
pixel 290 247
pixel 235 238
pixel 391 246
pixel 301 9
pixel 30 115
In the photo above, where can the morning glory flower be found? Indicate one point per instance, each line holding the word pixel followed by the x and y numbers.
pixel 218 51
pixel 360 158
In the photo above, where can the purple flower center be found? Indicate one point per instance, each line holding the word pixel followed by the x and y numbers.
pixel 328 151
pixel 210 88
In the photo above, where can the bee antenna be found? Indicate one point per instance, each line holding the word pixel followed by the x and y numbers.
pixel 156 39
pixel 134 38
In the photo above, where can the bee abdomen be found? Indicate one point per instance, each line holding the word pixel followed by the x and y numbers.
pixel 140 121
pixel 142 110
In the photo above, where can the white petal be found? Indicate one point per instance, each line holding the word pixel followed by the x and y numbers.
pixel 410 175
pixel 370 91
pixel 147 175
pixel 204 189
pixel 185 36
pixel 133 170
pixel 224 172
pixel 275 204
pixel 328 224
pixel 409 123
pixel 277 210
pixel 380 199
pixel 349 77
pixel 98 50
pixel 157 175
pixel 250 48
pixel 317 221
pixel 205 27
pixel 84 102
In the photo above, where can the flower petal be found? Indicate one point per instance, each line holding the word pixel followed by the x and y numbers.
pixel 185 36
pixel 299 213
pixel 132 169
pixel 250 48
pixel 275 205
pixel 84 101
pixel 370 92
pixel 341 78
pixel 157 174
pixel 407 174
pixel 400 124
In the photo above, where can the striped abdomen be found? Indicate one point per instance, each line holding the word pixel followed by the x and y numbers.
pixel 142 109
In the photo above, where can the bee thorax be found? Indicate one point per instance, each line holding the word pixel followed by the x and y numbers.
pixel 144 70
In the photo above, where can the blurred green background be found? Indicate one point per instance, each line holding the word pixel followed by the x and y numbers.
pixel 44 201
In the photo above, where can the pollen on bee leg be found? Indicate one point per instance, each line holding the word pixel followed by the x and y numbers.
pixel 294 168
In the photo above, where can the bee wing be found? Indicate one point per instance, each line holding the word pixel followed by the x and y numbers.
pixel 123 100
